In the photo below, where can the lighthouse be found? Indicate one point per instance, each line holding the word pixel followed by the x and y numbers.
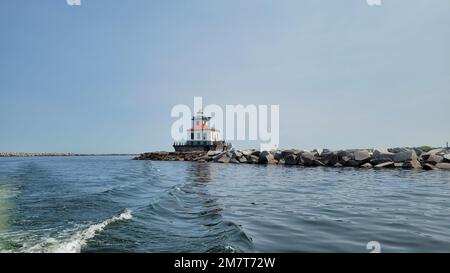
pixel 202 137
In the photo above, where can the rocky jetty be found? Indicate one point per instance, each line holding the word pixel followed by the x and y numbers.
pixel 405 158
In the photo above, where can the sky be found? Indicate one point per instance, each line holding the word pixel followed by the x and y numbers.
pixel 103 77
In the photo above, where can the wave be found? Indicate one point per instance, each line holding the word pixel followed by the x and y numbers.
pixel 75 243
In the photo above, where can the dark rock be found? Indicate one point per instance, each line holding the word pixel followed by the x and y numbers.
pixel 408 155
pixel 291 159
pixel 286 153
pixel 366 166
pixel 379 153
pixel 266 157
pixel 447 158
pixel 278 155
pixel 256 153
pixel 330 158
pixel 316 163
pixel 352 163
pixel 338 165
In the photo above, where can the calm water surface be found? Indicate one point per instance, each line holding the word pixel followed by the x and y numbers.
pixel 115 204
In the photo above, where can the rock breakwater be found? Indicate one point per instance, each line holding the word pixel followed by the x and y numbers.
pixel 405 158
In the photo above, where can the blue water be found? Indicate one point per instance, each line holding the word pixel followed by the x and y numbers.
pixel 115 204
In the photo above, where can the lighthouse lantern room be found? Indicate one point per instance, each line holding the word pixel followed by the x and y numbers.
pixel 202 137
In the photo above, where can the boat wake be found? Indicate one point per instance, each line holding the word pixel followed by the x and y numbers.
pixel 74 243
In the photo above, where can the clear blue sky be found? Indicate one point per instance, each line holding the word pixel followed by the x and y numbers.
pixel 104 76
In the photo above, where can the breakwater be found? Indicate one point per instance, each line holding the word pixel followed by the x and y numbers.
pixel 405 158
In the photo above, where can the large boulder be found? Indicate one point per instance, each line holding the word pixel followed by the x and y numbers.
pixel 344 157
pixel 362 156
pixel 291 159
pixel 286 153
pixel 265 157
pixel 433 159
pixel 382 153
pixel 224 159
pixel 444 166
pixel 278 155
pixel 329 158
pixel 408 155
pixel 306 159
pixel 252 159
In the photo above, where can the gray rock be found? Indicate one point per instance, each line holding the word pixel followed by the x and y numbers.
pixel 398 164
pixel 379 153
pixel 377 161
pixel 433 159
pixel 212 153
pixel 398 150
pixel 282 161
pixel 338 165
pixel 385 165
pixel 224 159
pixel 291 159
pixel 408 155
pixel 443 166
pixel 366 166
pixel 286 153
pixel 330 158
pixel 362 156
pixel 306 158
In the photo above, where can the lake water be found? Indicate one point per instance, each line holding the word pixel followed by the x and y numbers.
pixel 115 204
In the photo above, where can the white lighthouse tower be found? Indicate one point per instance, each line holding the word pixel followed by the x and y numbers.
pixel 202 137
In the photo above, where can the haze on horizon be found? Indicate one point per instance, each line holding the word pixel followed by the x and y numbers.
pixel 103 77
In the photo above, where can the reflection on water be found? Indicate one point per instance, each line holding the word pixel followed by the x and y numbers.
pixel 115 204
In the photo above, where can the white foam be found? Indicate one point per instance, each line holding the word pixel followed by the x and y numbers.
pixel 75 242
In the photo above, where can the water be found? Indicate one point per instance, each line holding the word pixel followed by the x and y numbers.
pixel 115 204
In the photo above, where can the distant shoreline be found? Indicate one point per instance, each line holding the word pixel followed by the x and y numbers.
pixel 19 154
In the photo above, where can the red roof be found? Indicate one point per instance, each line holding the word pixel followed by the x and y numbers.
pixel 202 127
